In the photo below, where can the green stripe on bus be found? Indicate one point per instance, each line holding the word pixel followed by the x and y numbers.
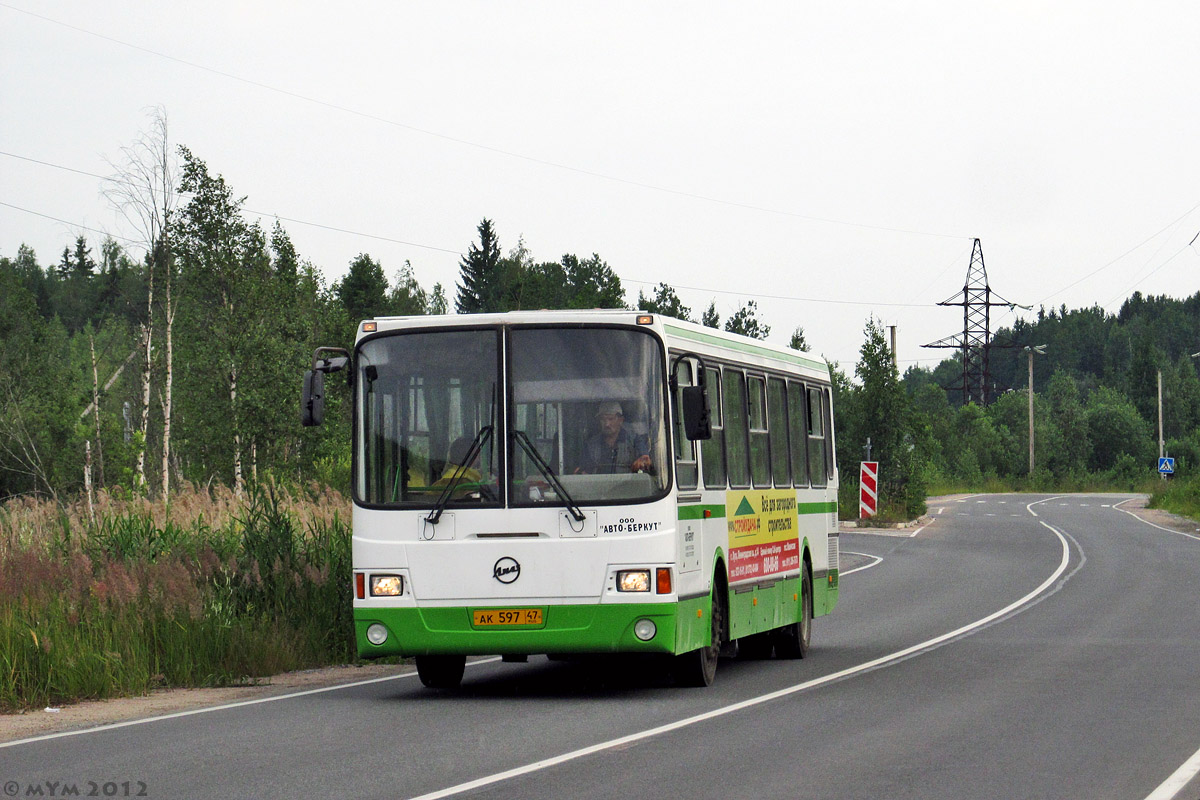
pixel 697 512
pixel 745 348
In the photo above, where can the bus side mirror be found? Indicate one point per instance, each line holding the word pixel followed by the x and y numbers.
pixel 697 422
pixel 312 399
pixel 312 402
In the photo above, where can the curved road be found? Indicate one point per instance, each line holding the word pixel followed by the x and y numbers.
pixel 1018 646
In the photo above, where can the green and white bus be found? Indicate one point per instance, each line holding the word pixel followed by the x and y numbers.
pixel 582 482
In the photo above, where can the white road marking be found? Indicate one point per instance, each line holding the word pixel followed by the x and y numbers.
pixel 887 532
pixel 882 661
pixel 1179 779
pixel 1117 506
pixel 207 709
pixel 1190 768
pixel 877 560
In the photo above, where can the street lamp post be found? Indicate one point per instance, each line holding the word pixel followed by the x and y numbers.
pixel 1040 350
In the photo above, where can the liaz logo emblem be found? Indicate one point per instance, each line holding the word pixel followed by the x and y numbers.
pixel 506 570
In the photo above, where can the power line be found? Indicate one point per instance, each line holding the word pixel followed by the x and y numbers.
pixel 67 222
pixel 393 240
pixel 1118 258
pixel 458 252
pixel 1125 294
pixel 477 145
pixel 186 195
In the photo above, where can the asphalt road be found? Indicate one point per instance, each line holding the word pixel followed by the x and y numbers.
pixel 1006 650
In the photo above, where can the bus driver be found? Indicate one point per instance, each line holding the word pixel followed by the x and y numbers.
pixel 614 449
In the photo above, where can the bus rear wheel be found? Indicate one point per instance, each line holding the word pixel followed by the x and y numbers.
pixel 441 672
pixel 791 641
pixel 699 667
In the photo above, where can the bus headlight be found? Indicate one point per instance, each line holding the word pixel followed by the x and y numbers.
pixel 376 634
pixel 645 629
pixel 387 585
pixel 633 580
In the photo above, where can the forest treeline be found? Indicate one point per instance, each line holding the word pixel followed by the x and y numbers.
pixel 178 360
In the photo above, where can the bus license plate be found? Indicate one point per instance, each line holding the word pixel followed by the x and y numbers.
pixel 506 616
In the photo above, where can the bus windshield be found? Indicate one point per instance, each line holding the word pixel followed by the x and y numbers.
pixel 585 423
pixel 424 398
pixel 590 401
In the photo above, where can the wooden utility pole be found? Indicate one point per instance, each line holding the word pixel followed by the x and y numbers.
pixel 1040 350
pixel 1031 413
pixel 1160 425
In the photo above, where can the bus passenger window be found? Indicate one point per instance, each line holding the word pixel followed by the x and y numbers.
pixel 777 427
pixel 712 451
pixel 830 453
pixel 736 428
pixel 798 428
pixel 760 457
pixel 816 439
pixel 685 449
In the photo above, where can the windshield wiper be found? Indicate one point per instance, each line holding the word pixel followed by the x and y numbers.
pixel 472 452
pixel 547 473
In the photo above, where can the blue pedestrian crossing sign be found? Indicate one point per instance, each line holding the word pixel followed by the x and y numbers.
pixel 1166 466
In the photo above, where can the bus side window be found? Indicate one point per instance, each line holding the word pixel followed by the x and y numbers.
pixel 817 469
pixel 798 428
pixel 830 453
pixel 712 451
pixel 736 454
pixel 760 455
pixel 777 431
pixel 685 449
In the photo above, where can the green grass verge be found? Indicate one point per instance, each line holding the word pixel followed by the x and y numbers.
pixel 131 601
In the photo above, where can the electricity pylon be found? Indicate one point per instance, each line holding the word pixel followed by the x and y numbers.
pixel 975 342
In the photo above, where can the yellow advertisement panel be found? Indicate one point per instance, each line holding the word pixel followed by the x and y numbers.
pixel 763 532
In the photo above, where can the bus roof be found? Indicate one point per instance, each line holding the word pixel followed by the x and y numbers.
pixel 678 334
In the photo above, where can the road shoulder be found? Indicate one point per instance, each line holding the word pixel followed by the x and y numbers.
pixel 94 713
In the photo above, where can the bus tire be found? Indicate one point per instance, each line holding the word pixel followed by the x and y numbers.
pixel 792 641
pixel 699 667
pixel 441 672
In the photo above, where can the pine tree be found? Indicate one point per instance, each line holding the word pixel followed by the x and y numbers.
pixel 363 292
pixel 480 290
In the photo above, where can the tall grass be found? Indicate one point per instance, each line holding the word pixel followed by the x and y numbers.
pixel 212 590
pixel 1178 495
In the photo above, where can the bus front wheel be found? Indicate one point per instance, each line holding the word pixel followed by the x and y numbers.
pixel 441 672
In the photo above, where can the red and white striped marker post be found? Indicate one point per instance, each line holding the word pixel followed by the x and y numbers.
pixel 868 481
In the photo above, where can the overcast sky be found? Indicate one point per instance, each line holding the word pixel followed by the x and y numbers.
pixel 829 160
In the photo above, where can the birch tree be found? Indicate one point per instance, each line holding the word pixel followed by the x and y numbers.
pixel 144 189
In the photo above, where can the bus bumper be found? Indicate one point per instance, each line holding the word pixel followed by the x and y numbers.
pixel 599 628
